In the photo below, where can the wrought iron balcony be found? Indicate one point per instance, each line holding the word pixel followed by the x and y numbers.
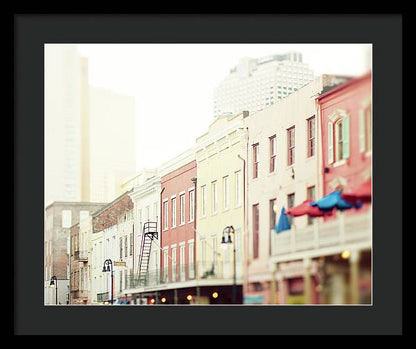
pixel 103 297
pixel 183 273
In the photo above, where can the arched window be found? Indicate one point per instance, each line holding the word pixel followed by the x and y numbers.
pixel 338 136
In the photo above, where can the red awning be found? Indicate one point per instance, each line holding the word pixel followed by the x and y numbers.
pixel 361 193
pixel 306 208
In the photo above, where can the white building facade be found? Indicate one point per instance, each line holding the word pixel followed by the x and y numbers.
pixel 146 200
pixel 284 169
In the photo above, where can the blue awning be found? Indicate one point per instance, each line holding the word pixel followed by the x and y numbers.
pixel 334 200
pixel 283 223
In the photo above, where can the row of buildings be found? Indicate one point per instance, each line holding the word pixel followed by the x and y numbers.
pixel 164 240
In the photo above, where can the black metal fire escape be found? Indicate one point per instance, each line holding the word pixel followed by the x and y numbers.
pixel 149 234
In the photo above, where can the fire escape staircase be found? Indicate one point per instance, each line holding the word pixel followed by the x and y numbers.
pixel 149 234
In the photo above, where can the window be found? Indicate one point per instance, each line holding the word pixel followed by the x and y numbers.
pixel 255 160
pixel 203 200
pixel 173 206
pixel 155 213
pixel 291 146
pixel 214 197
pixel 165 214
pixel 83 215
pixel 203 255
pixel 311 136
pixel 214 250
pixel 182 208
pixel 121 248
pixel 272 220
pixel 256 231
pixel 66 218
pixel 191 260
pixel 368 128
pixel 272 213
pixel 125 246
pixel 365 129
pixel 238 188
pixel 330 143
pixel 191 205
pixel 342 139
pixel 226 193
pixel 147 213
pixel 339 140
pixel 165 263
pixel 174 263
pixel 182 261
pixel 290 204
pixel 139 217
pixel 272 149
pixel 310 193
pixel 131 244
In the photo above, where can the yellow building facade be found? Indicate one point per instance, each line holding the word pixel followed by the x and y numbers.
pixel 220 156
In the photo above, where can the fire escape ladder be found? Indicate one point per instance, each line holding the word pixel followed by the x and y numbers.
pixel 149 233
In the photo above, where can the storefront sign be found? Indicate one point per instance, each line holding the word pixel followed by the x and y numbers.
pixel 255 299
pixel 119 264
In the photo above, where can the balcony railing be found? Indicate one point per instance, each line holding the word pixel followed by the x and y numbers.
pixel 103 297
pixel 344 229
pixel 186 272
pixel 81 256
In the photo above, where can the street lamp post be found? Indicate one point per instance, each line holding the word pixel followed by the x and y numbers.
pixel 195 267
pixel 54 283
pixel 226 239
pixel 108 266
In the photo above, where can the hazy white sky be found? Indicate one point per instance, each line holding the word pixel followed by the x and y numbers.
pixel 173 84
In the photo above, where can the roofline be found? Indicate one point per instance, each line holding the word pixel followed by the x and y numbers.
pixel 112 202
pixel 74 202
pixel 345 85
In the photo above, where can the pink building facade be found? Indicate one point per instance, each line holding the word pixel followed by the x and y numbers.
pixel 346 123
pixel 345 116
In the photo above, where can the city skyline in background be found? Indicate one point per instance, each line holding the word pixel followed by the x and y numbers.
pixel 195 140
pixel 173 84
pixel 104 104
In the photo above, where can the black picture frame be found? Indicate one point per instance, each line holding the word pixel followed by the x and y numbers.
pixel 32 31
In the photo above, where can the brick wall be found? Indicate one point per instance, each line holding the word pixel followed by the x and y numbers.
pixel 109 216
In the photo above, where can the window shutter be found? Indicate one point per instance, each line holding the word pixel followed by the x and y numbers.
pixel 346 137
pixel 362 130
pixel 330 143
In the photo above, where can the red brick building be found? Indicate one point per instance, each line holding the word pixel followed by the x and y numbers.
pixel 115 221
pixel 178 219
pixel 59 217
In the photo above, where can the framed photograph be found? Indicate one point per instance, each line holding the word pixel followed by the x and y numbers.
pixel 194 167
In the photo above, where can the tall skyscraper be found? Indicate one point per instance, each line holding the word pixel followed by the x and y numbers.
pixel 62 123
pixel 89 132
pixel 112 145
pixel 254 84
